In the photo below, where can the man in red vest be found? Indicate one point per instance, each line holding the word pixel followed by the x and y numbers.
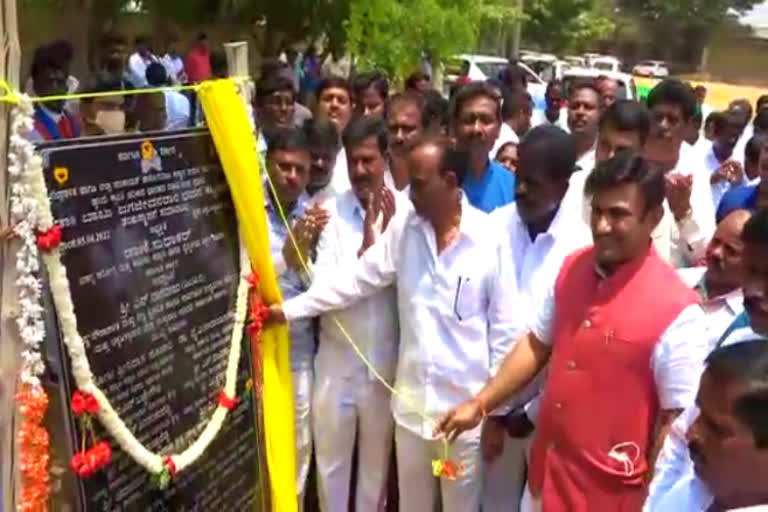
pixel 625 344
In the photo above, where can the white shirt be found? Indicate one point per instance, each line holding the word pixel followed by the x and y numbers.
pixel 177 110
pixel 712 164
pixel 371 323
pixel 575 201
pixel 720 311
pixel 457 310
pixel 683 243
pixel 137 69
pixel 506 134
pixel 340 179
pixel 174 66
pixel 537 264
pixel 539 118
pixel 675 485
pixel 677 360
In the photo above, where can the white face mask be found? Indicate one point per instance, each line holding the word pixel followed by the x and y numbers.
pixel 111 121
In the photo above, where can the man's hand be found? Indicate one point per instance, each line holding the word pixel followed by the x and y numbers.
pixel 678 191
pixel 464 417
pixel 306 231
pixel 730 171
pixel 369 223
pixel 275 314
pixel 492 439
pixel 387 206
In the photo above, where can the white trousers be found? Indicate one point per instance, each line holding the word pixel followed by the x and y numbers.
pixel 529 503
pixel 505 477
pixel 343 409
pixel 302 393
pixel 417 486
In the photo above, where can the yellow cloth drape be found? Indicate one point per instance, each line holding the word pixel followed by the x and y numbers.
pixel 231 130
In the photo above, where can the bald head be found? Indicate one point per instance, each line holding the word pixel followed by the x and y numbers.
pixel 734 221
pixel 724 255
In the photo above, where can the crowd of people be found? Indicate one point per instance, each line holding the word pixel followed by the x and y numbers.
pixel 576 299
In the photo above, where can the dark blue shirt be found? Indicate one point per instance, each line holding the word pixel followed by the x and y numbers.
pixel 738 198
pixel 496 188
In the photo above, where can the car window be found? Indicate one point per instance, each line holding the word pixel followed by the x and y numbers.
pixel 457 67
pixel 603 66
pixel 647 63
pixel 491 69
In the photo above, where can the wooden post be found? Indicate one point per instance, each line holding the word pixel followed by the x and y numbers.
pixel 10 344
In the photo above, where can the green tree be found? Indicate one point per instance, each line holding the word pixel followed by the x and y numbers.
pixel 391 35
pixel 567 25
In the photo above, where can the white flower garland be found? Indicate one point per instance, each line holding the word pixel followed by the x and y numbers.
pixel 22 165
pixel 36 192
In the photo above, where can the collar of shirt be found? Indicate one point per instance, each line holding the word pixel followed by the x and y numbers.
pixel 587 160
pixel 55 116
pixel 733 298
pixel 272 210
pixel 471 226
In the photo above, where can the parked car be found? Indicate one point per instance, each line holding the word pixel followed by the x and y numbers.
pixel 627 89
pixel 575 61
pixel 461 69
pixel 606 63
pixel 652 68
pixel 546 65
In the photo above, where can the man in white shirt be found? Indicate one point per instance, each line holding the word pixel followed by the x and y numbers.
pixel 622 126
pixel 348 399
pixel 554 112
pixel 719 282
pixel 728 442
pixel 541 234
pixel 139 60
pixel 177 109
pixel 456 295
pixel 689 217
pixel 405 123
pixel 324 145
pixel 580 460
pixel 673 464
pixel 725 168
pixel 334 102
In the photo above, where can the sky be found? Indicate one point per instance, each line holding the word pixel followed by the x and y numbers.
pixel 758 16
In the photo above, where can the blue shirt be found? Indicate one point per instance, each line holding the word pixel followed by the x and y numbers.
pixel 739 198
pixel 496 188
pixel 291 282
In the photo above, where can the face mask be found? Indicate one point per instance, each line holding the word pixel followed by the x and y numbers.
pixel 111 121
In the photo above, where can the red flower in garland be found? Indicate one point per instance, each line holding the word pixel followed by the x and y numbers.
pixel 253 279
pixel 49 239
pixel 84 403
pixel 226 402
pixel 78 403
pixel 86 463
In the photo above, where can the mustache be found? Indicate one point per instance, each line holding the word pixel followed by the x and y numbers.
pixel 362 180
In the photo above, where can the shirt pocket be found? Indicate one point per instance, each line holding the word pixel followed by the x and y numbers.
pixel 468 298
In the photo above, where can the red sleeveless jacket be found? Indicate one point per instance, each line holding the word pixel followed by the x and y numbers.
pixel 600 397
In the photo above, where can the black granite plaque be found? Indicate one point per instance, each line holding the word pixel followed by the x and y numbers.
pixel 151 251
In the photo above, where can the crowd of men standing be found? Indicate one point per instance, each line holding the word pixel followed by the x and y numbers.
pixel 556 300
pixel 576 300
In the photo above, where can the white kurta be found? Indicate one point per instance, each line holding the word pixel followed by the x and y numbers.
pixel 348 400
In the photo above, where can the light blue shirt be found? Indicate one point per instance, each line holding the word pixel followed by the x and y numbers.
pixel 496 188
pixel 291 282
